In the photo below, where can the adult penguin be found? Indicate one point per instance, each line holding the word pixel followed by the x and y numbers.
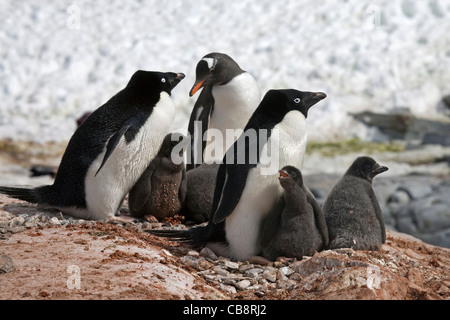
pixel 111 149
pixel 229 97
pixel 246 187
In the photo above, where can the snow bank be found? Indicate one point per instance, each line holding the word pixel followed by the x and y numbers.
pixel 61 58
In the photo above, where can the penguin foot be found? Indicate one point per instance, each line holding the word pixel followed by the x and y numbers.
pixel 122 219
pixel 259 260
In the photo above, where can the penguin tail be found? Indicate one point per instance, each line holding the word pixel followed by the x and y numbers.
pixel 41 195
pixel 195 236
pixel 24 194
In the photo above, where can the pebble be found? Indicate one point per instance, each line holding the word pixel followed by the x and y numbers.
pixel 231 265
pixel 208 253
pixel 253 273
pixel 6 263
pixel 270 275
pixel 193 253
pixel 243 284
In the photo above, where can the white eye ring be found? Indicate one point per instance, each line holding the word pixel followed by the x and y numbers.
pixel 163 80
pixel 297 100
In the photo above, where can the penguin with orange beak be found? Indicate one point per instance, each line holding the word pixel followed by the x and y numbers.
pixel 228 98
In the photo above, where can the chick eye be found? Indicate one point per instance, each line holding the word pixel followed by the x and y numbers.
pixel 163 80
pixel 297 100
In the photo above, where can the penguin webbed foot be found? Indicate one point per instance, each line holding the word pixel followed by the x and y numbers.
pixel 123 219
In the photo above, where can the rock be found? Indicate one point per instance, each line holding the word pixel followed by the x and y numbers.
pixel 245 267
pixel 231 265
pixel 221 271
pixel 243 284
pixel 208 253
pixel 17 222
pixel 190 262
pixel 270 275
pixel 253 273
pixel 6 263
pixel 287 271
pixel 54 221
pixel 402 124
pixel 193 253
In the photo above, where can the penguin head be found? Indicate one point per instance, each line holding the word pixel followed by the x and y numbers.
pixel 171 141
pixel 366 168
pixel 153 83
pixel 302 100
pixel 290 177
pixel 290 99
pixel 214 69
pixel 165 152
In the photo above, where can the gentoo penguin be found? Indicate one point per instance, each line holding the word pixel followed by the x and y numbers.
pixel 229 97
pixel 298 227
pixel 161 189
pixel 352 211
pixel 109 152
pixel 201 182
pixel 245 189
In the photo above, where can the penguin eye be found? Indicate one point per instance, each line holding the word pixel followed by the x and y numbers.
pixel 163 80
pixel 297 100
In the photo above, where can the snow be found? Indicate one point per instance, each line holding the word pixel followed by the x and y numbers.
pixel 59 59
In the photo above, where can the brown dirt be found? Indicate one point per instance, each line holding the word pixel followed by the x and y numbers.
pixel 117 262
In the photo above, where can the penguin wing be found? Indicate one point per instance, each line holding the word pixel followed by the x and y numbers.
pixel 319 217
pixel 229 188
pixel 182 191
pixel 141 191
pixel 200 113
pixel 129 130
pixel 378 213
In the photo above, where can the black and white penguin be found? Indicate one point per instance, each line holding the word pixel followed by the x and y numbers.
pixel 352 211
pixel 161 189
pixel 229 97
pixel 246 187
pixel 111 149
pixel 296 227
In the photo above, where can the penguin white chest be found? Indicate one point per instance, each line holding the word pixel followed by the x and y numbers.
pixel 106 190
pixel 263 190
pixel 234 103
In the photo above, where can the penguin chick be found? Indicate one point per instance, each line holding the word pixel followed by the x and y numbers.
pixel 297 226
pixel 161 189
pixel 352 211
pixel 201 182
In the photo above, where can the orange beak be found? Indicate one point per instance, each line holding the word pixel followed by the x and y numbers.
pixel 283 174
pixel 196 88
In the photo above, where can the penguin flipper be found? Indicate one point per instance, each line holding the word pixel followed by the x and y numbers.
pixel 128 129
pixel 140 193
pixel 379 214
pixel 182 191
pixel 201 112
pixel 319 217
pixel 233 186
